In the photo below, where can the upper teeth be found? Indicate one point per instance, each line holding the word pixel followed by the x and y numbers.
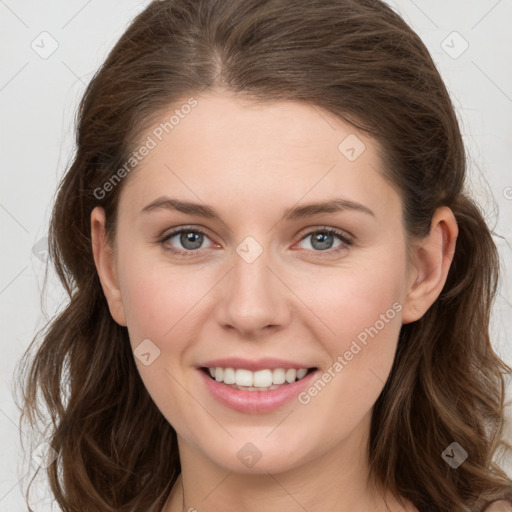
pixel 259 379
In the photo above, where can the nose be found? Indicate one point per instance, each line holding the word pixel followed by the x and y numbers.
pixel 253 298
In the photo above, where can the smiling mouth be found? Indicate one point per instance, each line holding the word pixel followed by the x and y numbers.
pixel 262 380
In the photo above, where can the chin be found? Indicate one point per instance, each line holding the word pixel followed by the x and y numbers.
pixel 258 456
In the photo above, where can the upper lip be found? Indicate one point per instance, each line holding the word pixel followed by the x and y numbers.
pixel 266 363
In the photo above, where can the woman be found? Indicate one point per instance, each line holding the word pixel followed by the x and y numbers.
pixel 279 289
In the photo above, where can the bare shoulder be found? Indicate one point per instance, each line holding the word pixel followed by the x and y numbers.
pixel 499 506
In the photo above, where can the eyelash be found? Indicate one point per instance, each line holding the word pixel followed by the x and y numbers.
pixel 346 241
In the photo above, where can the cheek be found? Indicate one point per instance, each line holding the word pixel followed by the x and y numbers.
pixel 360 312
pixel 367 307
pixel 159 299
pixel 160 304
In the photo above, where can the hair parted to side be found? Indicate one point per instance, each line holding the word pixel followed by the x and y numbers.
pixel 359 60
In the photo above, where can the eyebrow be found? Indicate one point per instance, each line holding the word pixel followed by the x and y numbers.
pixel 298 212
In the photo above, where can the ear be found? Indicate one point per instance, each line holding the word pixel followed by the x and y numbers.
pixel 104 259
pixel 432 258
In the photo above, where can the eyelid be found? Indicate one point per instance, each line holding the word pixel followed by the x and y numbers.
pixel 349 237
pixel 347 241
pixel 178 230
pixel 346 238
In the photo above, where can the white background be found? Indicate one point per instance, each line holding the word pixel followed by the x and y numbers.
pixel 38 99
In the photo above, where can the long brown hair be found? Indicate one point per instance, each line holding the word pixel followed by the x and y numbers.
pixel 359 60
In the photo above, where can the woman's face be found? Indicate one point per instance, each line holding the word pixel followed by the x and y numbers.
pixel 256 283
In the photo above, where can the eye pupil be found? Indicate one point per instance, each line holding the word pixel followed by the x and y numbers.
pixel 325 240
pixel 191 237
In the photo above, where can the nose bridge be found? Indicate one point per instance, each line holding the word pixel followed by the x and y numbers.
pixel 251 279
pixel 254 297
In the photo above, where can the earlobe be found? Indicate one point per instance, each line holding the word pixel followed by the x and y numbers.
pixel 432 259
pixel 105 266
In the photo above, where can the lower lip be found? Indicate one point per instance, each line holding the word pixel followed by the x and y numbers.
pixel 255 401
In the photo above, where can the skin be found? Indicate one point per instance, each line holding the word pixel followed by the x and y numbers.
pixel 250 162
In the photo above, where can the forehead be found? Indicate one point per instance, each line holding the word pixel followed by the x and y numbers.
pixel 234 148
